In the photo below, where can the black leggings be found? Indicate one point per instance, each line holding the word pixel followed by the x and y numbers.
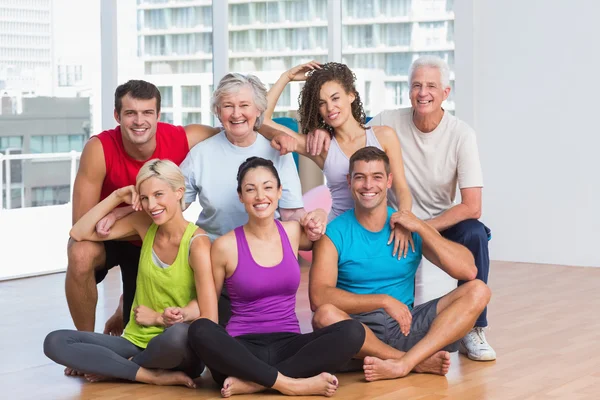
pixel 259 357
pixel 96 353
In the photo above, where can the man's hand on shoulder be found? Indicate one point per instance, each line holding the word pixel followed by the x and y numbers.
pixel 407 220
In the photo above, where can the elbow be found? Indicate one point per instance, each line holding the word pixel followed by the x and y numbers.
pixel 472 273
pixel 76 236
pixel 314 300
pixel 476 213
pixel 469 272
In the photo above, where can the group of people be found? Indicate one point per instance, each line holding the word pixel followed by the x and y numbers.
pixel 221 293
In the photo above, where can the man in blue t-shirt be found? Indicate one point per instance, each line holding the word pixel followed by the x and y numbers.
pixel 355 275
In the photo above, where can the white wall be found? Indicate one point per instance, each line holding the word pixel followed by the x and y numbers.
pixel 527 79
pixel 33 240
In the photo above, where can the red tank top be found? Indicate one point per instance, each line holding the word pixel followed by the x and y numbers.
pixel 121 169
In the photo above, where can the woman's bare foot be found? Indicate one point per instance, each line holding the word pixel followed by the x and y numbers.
pixel 438 364
pixel 72 372
pixel 377 369
pixel 93 378
pixel 163 377
pixel 233 386
pixel 323 384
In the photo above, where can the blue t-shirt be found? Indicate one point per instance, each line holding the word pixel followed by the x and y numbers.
pixel 365 261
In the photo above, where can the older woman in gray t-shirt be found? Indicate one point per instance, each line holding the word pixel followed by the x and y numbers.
pixel 211 167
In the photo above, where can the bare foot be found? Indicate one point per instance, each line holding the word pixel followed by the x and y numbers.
pixel 438 364
pixel 377 369
pixel 323 384
pixel 167 378
pixel 72 372
pixel 233 386
pixel 96 378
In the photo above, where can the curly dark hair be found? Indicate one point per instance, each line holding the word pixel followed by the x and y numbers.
pixel 308 112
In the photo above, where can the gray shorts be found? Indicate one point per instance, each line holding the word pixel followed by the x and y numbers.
pixel 388 331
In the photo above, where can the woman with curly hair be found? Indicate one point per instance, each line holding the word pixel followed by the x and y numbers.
pixel 329 100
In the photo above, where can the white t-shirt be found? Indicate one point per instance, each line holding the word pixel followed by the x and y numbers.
pixel 435 162
pixel 210 171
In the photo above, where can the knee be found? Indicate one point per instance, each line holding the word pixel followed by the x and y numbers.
pixel 479 293
pixel 178 336
pixel 201 332
pixel 474 232
pixel 83 256
pixel 52 344
pixel 326 315
pixel 354 334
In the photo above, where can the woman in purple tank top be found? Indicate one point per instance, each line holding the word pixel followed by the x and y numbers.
pixel 329 100
pixel 262 346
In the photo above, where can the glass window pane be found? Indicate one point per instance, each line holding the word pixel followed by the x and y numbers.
pixel 190 96
pixel 35 144
pixel 191 118
pixel 166 117
pixel 380 49
pixel 286 33
pixel 166 96
pixel 62 143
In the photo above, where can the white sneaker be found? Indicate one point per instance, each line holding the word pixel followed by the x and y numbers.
pixel 475 346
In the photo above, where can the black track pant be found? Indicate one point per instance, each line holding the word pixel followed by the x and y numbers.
pixel 259 357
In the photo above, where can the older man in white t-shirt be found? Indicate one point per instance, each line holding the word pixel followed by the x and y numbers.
pixel 440 152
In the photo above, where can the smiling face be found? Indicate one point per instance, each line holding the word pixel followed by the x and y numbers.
pixel 238 113
pixel 369 184
pixel 159 200
pixel 138 120
pixel 335 105
pixel 259 193
pixel 426 91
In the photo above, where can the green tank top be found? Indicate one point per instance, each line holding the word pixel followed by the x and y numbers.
pixel 159 288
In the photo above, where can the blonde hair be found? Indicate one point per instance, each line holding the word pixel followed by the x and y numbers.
pixel 165 170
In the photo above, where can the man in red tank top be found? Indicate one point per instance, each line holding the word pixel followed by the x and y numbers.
pixel 109 161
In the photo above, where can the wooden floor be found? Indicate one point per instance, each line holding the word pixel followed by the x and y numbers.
pixel 545 327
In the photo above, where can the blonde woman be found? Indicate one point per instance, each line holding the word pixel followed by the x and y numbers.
pixel 174 287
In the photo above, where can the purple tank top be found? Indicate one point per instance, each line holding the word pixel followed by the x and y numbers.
pixel 263 299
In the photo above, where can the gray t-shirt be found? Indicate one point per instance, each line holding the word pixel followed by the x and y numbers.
pixel 435 162
pixel 210 171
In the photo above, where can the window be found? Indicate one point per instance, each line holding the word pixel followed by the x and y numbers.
pixel 240 14
pixel 398 63
pixel 396 94
pixel 191 118
pixel 50 195
pixel 56 143
pixel 11 142
pixel 381 38
pixel 166 96
pixel 190 96
pixel 358 9
pixel 166 117
pixel 358 36
pixel 280 35
pixel 15 197
pixel 397 34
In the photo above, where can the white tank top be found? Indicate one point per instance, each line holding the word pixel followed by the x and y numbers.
pixel 336 168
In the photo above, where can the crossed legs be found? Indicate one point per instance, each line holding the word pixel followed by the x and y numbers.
pixel 456 314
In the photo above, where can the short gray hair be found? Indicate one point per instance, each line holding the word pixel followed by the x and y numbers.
pixel 231 83
pixel 433 62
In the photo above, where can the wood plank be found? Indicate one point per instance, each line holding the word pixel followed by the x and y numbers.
pixel 543 327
